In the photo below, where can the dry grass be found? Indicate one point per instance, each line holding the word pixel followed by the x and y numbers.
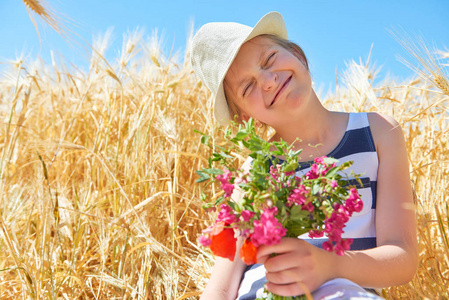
pixel 97 168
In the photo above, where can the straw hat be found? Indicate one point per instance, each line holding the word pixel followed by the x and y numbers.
pixel 214 48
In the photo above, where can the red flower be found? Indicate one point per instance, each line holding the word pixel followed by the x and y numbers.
pixel 223 241
pixel 248 252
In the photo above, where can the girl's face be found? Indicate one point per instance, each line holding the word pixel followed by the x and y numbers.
pixel 267 82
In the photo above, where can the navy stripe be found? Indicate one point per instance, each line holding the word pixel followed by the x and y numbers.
pixel 357 243
pixel 257 285
pixel 366 183
pixel 364 243
pixel 357 141
pixel 250 267
pixel 361 183
pixel 353 142
pixel 374 193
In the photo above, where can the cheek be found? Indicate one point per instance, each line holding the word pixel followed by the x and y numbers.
pixel 255 101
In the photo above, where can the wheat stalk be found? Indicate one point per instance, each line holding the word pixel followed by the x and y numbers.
pixel 430 68
pixel 115 212
pixel 442 84
pixel 46 13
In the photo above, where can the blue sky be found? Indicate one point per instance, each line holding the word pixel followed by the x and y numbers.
pixel 331 32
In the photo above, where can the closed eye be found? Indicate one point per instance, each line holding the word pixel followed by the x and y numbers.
pixel 269 59
pixel 245 90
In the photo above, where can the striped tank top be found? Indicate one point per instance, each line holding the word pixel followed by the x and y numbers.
pixel 357 145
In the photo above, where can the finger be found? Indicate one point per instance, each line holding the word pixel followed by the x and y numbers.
pixel 287 261
pixel 299 287
pixel 286 244
pixel 284 277
pixel 262 259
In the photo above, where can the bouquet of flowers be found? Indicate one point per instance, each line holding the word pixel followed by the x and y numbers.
pixel 274 201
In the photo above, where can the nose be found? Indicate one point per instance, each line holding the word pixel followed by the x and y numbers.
pixel 268 80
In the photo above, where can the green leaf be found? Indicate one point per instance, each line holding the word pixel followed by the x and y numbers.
pixel 235 206
pixel 254 145
pixel 330 160
pixel 291 167
pixel 225 155
pixel 219 200
pixel 207 205
pixel 297 213
pixel 213 171
pixel 332 172
pixel 205 140
pixel 296 153
pixel 203 176
pixel 241 135
pixel 315 189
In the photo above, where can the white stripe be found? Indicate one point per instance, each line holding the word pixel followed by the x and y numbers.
pixel 357 120
pixel 365 164
pixel 250 276
pixel 361 226
pixel 367 199
pixel 356 227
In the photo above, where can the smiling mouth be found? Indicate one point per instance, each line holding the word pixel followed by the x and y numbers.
pixel 280 90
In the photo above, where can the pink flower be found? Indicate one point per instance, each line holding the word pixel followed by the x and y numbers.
pixel 334 184
pixel 290 173
pixel 313 172
pixel 226 184
pixel 315 234
pixel 226 215
pixel 228 189
pixel 339 249
pixel 335 234
pixel 242 179
pixel 319 168
pixel 328 246
pixel 247 215
pixel 297 197
pixel 346 243
pixel 320 160
pixel 309 207
pixel 274 172
pixel 205 240
pixel 267 230
pixel 333 226
pixel 353 202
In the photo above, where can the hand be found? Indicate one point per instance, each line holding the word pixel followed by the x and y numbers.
pixel 298 267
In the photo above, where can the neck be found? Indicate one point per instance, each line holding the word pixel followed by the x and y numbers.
pixel 311 126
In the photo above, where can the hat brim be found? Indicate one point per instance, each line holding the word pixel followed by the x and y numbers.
pixel 272 23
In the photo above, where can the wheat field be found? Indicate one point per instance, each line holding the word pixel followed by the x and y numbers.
pixel 98 198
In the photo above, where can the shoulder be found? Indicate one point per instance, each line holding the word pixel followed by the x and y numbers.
pixel 381 122
pixel 387 133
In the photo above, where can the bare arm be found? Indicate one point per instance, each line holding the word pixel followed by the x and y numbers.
pixel 393 262
pixel 225 279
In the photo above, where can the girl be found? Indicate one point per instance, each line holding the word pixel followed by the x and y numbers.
pixel 257 73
